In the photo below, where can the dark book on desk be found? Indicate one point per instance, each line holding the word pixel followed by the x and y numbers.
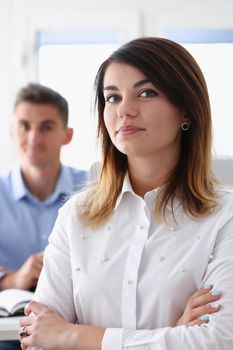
pixel 13 301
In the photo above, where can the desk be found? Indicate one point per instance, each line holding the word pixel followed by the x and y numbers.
pixel 9 328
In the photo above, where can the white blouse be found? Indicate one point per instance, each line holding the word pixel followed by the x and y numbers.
pixel 133 275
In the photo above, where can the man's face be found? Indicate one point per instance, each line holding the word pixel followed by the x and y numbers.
pixel 39 132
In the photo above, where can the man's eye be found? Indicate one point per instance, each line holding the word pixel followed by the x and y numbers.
pixel 112 98
pixel 148 93
pixel 24 127
pixel 46 128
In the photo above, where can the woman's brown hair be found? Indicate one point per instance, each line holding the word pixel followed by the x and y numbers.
pixel 172 69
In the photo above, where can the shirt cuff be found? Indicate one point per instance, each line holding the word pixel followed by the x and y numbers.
pixel 112 339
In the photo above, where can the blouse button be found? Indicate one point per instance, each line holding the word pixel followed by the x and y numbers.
pixel 211 256
pixel 130 282
pixel 197 237
pixel 182 269
pixel 161 258
pixel 82 236
pixel 77 268
pixel 172 228
pixel 104 258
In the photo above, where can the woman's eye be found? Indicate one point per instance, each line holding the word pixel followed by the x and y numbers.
pixel 148 93
pixel 112 98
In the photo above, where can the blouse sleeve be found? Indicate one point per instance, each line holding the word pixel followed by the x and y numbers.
pixel 215 335
pixel 50 290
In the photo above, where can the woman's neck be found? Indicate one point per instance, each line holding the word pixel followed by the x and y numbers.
pixel 147 175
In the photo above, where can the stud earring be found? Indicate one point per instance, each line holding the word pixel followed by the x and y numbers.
pixel 185 126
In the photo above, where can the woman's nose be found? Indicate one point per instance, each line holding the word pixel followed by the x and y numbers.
pixel 127 109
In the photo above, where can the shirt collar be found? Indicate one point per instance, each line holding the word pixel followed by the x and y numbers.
pixel 64 185
pixel 18 186
pixel 127 188
pixel 149 196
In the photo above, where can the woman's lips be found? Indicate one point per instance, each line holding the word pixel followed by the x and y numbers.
pixel 129 129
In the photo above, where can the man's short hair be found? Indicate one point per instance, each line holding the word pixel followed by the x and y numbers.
pixel 40 94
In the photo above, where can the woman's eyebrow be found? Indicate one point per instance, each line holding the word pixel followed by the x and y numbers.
pixel 136 85
pixel 141 82
pixel 110 87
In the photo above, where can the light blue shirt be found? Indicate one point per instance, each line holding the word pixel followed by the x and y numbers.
pixel 25 221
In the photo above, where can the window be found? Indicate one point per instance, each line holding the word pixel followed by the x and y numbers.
pixel 68 62
pixel 213 50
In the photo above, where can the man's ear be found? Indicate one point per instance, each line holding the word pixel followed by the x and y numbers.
pixel 68 136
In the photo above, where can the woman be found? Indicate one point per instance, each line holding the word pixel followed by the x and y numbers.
pixel 126 255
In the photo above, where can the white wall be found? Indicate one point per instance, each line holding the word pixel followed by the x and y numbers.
pixel 6 80
pixel 19 19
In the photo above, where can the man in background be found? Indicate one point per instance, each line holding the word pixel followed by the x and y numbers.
pixel 32 192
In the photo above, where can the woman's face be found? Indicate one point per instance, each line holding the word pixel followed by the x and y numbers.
pixel 140 120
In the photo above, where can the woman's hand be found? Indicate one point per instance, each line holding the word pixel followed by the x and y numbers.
pixel 199 306
pixel 47 330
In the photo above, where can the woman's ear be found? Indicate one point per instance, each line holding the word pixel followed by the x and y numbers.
pixel 187 119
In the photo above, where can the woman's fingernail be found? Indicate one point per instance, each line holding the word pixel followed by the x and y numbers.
pixel 204 318
pixel 215 293
pixel 207 286
pixel 215 305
